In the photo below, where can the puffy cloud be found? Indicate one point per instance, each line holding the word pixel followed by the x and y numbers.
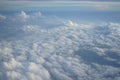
pixel 70 23
pixel 32 76
pixel 12 64
pixel 36 15
pixel 59 75
pixel 7 51
pixel 13 75
pixel 2 17
pixel 38 69
pixel 30 28
pixel 51 54
pixel 23 16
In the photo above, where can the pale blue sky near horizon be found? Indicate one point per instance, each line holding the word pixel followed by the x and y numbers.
pixel 69 4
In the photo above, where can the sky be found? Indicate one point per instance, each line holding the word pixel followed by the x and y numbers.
pixel 88 5
pixel 62 0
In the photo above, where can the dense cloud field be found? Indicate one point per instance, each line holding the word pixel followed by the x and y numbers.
pixel 34 46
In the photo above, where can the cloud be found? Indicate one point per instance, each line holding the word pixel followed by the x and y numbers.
pixel 19 17
pixel 29 28
pixel 59 53
pixel 12 64
pixel 33 76
pixel 23 16
pixel 38 69
pixel 71 23
pixel 2 17
pixel 36 15
pixel 102 7
pixel 13 75
pixel 59 75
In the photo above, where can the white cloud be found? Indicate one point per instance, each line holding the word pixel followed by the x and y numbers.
pixel 49 54
pixel 22 16
pixel 29 28
pixel 7 51
pixel 36 15
pixel 2 17
pixel 59 75
pixel 102 7
pixel 13 75
pixel 12 64
pixel 71 23
pixel 32 76
pixel 38 69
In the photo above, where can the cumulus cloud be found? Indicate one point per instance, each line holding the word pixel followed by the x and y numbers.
pixel 13 75
pixel 36 15
pixel 38 69
pixel 23 16
pixel 70 23
pixel 65 52
pixel 2 17
pixel 12 64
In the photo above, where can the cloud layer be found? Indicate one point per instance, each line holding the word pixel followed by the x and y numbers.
pixel 68 51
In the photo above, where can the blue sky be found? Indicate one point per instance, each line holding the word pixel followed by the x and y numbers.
pixel 83 5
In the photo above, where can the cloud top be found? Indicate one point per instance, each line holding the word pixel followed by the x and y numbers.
pixel 68 51
pixel 2 17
